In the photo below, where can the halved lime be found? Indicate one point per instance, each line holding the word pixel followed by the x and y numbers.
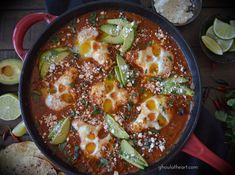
pixel 60 132
pixel 19 130
pixel 223 30
pixel 212 45
pixel 9 107
pixel 224 44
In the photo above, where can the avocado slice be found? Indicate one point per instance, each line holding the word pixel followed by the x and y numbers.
pixel 120 31
pixel 118 21
pixel 115 128
pixel 113 39
pixel 121 64
pixel 128 38
pixel 49 57
pixel 128 153
pixel 10 70
pixel 110 29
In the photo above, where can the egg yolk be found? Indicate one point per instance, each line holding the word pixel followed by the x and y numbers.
pixel 156 49
pixel 153 69
pixel 151 105
pixel 85 47
pixel 109 85
pixel 68 98
pixel 151 116
pixel 107 106
pixel 161 120
pixel 90 147
pixel 91 136
pixel 146 95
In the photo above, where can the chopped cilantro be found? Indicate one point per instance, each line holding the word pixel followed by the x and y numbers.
pixel 92 19
pixel 170 58
pixel 142 90
pixel 54 39
pixel 62 147
pixel 110 76
pixel 36 96
pixel 72 113
pixel 171 103
pixel 155 131
pixel 84 102
pixel 103 162
pixel 72 25
pixel 96 110
pixel 72 85
pixel 76 149
pixel 130 104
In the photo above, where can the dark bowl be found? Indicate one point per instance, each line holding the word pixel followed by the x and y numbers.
pixel 196 9
pixel 227 57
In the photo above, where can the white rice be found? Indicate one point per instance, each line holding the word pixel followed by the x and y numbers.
pixel 176 11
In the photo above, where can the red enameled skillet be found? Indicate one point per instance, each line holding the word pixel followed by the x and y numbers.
pixel 187 143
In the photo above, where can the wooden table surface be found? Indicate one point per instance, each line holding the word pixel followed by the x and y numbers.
pixel 14 10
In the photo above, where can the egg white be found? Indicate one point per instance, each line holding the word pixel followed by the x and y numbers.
pixel 143 121
pixel 164 61
pixel 84 130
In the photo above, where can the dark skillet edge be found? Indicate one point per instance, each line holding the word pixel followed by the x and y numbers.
pixel 24 85
pixel 227 57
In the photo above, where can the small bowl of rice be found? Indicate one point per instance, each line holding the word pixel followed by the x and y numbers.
pixel 178 12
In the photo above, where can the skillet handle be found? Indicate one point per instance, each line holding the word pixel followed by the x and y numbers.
pixel 196 148
pixel 21 28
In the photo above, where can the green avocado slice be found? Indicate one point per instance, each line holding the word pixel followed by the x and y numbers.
pixel 10 70
pixel 49 57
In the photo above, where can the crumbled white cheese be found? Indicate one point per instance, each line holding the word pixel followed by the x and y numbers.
pixel 176 11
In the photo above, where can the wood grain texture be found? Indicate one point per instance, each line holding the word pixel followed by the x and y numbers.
pixel 22 4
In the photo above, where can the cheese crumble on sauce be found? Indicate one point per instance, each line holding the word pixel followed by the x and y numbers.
pixel 82 76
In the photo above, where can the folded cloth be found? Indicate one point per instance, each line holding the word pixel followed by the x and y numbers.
pixel 207 128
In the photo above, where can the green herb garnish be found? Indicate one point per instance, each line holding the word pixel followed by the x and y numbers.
pixel 54 39
pixel 72 25
pixel 170 58
pixel 92 18
pixel 76 150
pixel 103 162
pixel 130 105
pixel 96 110
pixel 36 96
pixel 84 102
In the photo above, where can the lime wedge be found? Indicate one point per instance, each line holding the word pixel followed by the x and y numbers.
pixel 232 23
pixel 19 130
pixel 212 45
pixel 232 48
pixel 9 107
pixel 224 44
pixel 60 132
pixel 223 30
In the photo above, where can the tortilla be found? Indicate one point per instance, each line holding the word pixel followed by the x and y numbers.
pixel 28 165
pixel 21 149
pixel 24 159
